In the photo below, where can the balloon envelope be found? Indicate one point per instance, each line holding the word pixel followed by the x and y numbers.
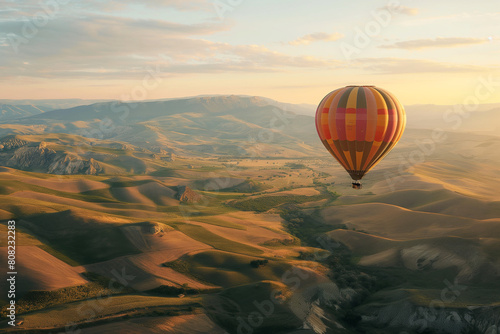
pixel 359 125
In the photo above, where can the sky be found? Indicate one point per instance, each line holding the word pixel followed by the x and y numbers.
pixel 297 51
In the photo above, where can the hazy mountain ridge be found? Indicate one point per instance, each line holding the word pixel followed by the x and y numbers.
pixel 222 125
pixel 51 104
pixel 480 119
pixel 11 112
pixel 206 126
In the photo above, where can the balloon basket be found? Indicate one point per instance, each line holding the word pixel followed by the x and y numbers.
pixel 357 185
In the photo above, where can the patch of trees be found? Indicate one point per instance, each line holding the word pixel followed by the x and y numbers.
pixel 282 242
pixel 307 225
pixel 265 203
pixel 293 165
pixel 258 263
pixel 167 290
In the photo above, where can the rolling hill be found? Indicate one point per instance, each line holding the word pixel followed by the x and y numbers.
pixel 96 192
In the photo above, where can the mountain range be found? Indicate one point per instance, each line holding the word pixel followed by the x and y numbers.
pixel 222 126
pixel 114 136
pixel 219 198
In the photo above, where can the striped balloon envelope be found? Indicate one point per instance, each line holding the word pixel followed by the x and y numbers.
pixel 359 125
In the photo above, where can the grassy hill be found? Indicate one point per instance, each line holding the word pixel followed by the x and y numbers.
pixel 282 222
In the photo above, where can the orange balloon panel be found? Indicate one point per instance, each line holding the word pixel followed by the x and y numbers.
pixel 359 125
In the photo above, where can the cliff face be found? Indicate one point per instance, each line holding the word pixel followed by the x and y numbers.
pixel 67 165
pixel 188 195
pixel 11 142
pixel 433 318
pixel 38 157
pixel 317 305
pixel 18 154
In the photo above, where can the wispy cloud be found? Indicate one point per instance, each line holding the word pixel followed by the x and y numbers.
pixel 401 10
pixel 440 42
pixel 405 66
pixel 30 7
pixel 454 17
pixel 316 37
pixel 98 34
pixel 191 5
pixel 115 47
pixel 407 10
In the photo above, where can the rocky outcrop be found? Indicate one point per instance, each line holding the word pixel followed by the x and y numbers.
pixel 169 157
pixel 433 318
pixel 188 195
pixel 40 158
pixel 70 164
pixel 35 157
pixel 12 142
pixel 120 146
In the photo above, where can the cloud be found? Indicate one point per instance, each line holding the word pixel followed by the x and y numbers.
pixel 316 37
pixel 96 35
pixel 30 7
pixel 401 9
pixel 405 66
pixel 118 48
pixel 456 17
pixel 407 10
pixel 192 5
pixel 440 42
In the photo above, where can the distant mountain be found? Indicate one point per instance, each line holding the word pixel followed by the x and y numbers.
pixel 10 112
pixel 205 126
pixel 117 137
pixel 51 104
pixel 221 125
pixel 485 118
pixel 300 109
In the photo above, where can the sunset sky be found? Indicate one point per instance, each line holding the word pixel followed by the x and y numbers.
pixel 292 51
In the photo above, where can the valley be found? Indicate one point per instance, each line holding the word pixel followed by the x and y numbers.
pixel 215 218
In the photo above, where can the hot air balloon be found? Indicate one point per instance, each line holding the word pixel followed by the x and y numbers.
pixel 359 126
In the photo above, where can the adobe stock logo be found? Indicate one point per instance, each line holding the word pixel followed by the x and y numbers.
pixel 381 18
pixel 454 117
pixel 32 26
pixel 224 6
